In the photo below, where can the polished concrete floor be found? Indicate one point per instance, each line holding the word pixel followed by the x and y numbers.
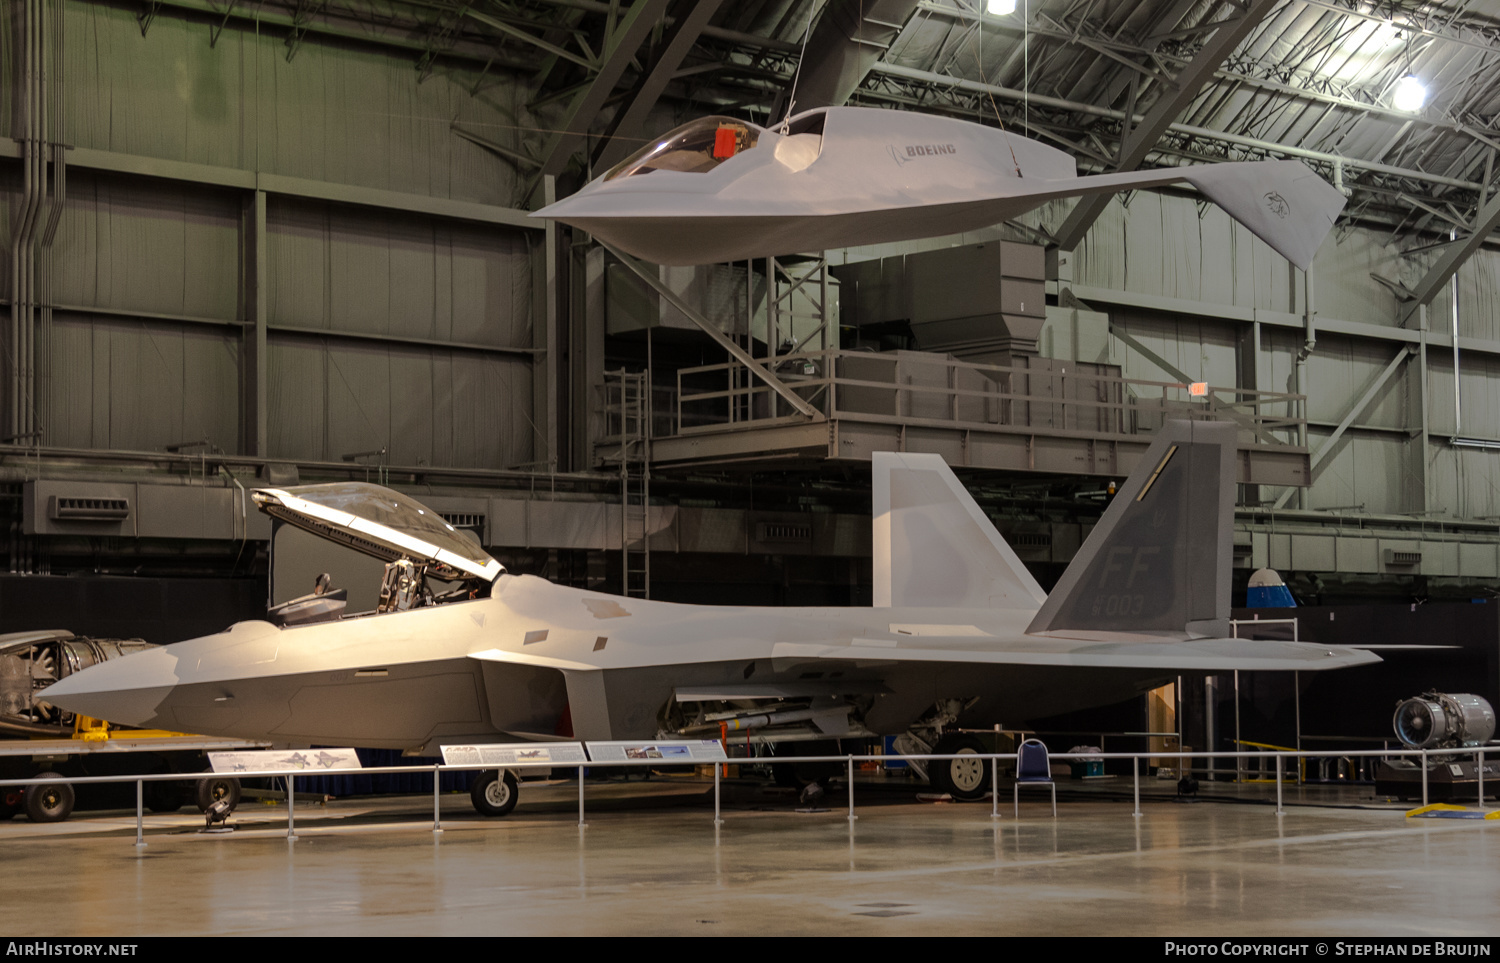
pixel 651 861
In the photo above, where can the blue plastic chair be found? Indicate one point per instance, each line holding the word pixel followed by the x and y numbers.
pixel 1033 769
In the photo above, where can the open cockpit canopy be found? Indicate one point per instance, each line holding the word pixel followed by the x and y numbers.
pixel 383 523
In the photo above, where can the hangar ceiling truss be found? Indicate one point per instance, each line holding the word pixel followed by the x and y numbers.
pixel 1117 83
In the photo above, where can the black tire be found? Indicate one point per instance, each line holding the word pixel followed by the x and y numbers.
pixel 962 778
pixel 495 793
pixel 49 802
pixel 209 791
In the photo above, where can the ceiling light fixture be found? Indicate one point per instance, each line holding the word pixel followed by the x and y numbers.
pixel 1409 94
pixel 1001 8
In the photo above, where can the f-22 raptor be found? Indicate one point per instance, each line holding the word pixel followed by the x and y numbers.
pixel 960 633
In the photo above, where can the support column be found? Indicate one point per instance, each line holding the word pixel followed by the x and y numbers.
pixel 548 375
pixel 253 360
pixel 1417 425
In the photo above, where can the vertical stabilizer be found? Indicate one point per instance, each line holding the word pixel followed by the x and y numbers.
pixel 1158 562
pixel 934 547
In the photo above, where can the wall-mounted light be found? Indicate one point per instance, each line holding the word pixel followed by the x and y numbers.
pixel 1409 94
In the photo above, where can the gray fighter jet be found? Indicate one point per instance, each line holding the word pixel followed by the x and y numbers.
pixel 722 189
pixel 960 633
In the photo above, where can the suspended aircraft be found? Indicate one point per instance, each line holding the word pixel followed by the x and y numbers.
pixel 721 189
pixel 960 634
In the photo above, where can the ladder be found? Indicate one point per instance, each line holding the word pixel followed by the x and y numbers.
pixel 627 419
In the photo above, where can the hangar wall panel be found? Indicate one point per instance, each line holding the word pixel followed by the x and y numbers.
pixel 1480 395
pixel 141 385
pixel 433 407
pixel 344 269
pixel 1167 245
pixel 329 111
pixel 149 246
pixel 332 112
pixel 1340 371
pixel 1366 470
pixel 1200 348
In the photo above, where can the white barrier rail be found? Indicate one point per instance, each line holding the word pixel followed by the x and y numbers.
pixel 290 775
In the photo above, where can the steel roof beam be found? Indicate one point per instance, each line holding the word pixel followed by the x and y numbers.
pixel 619 49
pixel 1231 75
pixel 631 121
pixel 1138 142
pixel 849 38
pixel 1449 261
pixel 1072 106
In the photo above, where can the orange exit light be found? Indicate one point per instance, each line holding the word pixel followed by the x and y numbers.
pixel 1198 389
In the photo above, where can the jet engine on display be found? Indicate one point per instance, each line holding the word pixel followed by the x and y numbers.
pixel 1437 720
pixel 1445 724
pixel 960 635
pixel 32 661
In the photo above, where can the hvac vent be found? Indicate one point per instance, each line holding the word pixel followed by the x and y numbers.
pixel 70 508
pixel 1031 540
pixel 1243 548
pixel 782 532
pixel 1393 557
pixel 464 520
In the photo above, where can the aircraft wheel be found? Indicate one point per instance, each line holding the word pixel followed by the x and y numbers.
pixel 968 776
pixel 495 793
pixel 209 791
pixel 49 802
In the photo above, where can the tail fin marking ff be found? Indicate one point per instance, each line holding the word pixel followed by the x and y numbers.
pixel 934 547
pixel 1158 562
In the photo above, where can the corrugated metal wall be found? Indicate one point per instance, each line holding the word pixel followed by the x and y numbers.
pixel 413 305
pixel 1174 247
pixel 331 111
pixel 141 385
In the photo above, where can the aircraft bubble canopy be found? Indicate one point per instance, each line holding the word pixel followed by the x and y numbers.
pixel 382 523
pixel 696 147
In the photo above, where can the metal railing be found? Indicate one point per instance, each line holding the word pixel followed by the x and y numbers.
pixel 934 389
pixel 994 759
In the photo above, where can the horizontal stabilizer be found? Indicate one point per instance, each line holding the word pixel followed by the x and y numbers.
pixel 1158 561
pixel 934 547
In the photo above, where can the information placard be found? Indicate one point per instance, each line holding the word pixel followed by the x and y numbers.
pixel 272 760
pixel 686 750
pixel 515 753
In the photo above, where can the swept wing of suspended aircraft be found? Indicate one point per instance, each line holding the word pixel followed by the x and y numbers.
pixel 720 189
pixel 960 633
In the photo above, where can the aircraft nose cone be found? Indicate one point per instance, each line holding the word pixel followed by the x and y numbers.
pixel 127 691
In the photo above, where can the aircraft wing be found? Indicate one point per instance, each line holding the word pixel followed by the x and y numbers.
pixel 1195 655
pixel 1284 203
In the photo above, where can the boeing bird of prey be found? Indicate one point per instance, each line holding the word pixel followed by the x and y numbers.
pixel 960 634
pixel 722 189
